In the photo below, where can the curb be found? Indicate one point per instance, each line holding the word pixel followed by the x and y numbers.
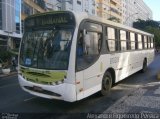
pixel 158 75
pixel 7 75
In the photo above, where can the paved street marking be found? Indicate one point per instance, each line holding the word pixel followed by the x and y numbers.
pixel 29 99
pixel 158 75
pixel 125 87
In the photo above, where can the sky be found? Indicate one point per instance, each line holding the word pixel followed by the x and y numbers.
pixel 154 5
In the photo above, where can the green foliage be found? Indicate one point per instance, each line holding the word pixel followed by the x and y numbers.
pixel 5 56
pixel 114 19
pixel 141 24
pixel 150 26
pixel 156 33
pixel 5 59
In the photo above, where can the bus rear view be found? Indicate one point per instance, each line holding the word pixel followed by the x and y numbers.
pixel 44 55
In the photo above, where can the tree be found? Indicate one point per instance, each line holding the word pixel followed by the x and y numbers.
pixel 114 19
pixel 156 33
pixel 141 24
pixel 150 26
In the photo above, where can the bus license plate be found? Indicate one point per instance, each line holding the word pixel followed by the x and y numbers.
pixel 36 88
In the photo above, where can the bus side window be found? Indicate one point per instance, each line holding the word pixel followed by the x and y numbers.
pixel 140 46
pixel 111 39
pixel 88 48
pixel 91 43
pixel 80 45
pixel 132 39
pixel 145 42
pixel 152 46
pixel 123 39
pixel 148 42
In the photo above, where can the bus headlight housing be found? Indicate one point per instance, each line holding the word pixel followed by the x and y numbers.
pixel 58 82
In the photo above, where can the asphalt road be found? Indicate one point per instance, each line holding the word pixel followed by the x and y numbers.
pixel 14 100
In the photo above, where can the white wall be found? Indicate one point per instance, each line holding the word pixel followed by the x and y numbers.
pixel 136 9
pixel 129 8
pixel 75 5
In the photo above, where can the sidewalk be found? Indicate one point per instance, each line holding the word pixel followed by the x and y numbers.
pixel 6 75
pixel 158 75
pixel 145 99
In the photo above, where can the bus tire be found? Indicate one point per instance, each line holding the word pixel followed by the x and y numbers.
pixel 144 67
pixel 106 84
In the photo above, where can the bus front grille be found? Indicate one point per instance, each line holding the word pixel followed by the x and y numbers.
pixel 42 91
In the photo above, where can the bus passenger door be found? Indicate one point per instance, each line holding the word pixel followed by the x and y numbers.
pixel 88 63
pixel 79 85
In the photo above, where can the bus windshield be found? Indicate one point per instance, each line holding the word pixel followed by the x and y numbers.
pixel 46 48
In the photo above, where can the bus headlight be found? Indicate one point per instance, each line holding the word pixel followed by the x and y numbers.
pixel 53 83
pixel 57 82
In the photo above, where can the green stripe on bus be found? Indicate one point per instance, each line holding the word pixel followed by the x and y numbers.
pixel 43 78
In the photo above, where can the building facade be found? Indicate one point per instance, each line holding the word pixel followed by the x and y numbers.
pixel 134 10
pixel 88 6
pixel 10 24
pixel 13 13
pixel 122 11
pixel 110 9
pixel 30 7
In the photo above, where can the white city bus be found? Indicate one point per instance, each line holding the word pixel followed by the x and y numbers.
pixel 70 56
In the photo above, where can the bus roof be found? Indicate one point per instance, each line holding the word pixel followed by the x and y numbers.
pixel 111 23
pixel 83 15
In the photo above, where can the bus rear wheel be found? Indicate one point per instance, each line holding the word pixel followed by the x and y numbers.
pixel 106 84
pixel 144 68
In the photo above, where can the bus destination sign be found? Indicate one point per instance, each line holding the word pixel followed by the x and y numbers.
pixel 49 20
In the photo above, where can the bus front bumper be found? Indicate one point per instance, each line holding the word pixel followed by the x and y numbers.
pixel 64 91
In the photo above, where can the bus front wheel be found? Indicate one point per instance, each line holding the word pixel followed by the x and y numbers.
pixel 106 84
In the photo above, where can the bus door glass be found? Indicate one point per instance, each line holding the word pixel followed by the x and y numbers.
pixel 88 51
pixel 88 45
